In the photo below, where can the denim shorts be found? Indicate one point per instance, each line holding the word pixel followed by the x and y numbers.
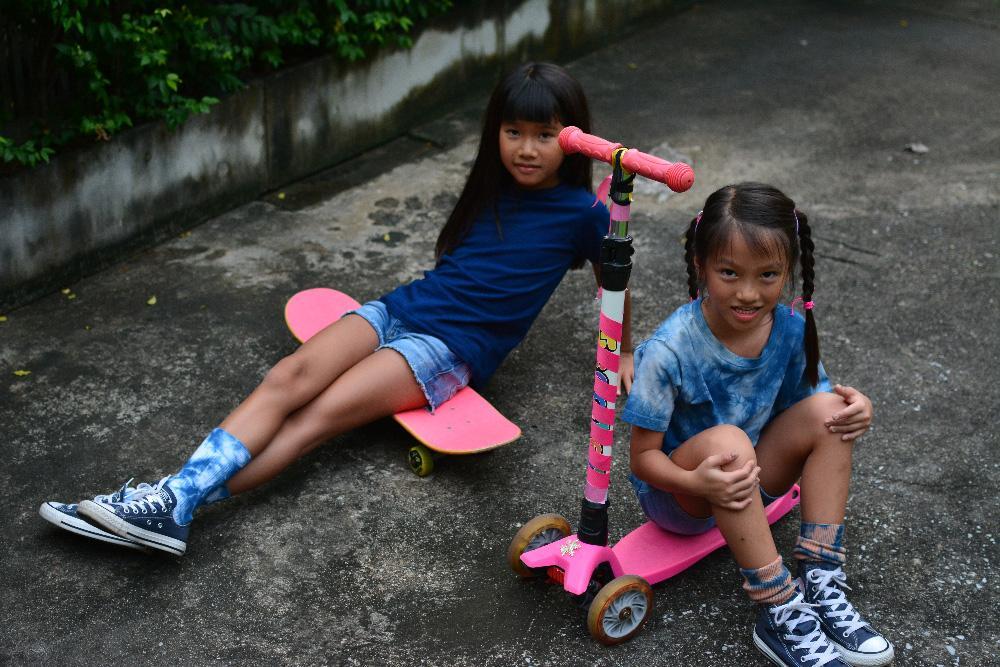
pixel 662 508
pixel 437 370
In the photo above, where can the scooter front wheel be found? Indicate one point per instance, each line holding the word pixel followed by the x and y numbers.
pixel 543 529
pixel 620 609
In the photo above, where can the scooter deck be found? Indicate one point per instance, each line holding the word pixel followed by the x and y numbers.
pixel 656 554
pixel 465 424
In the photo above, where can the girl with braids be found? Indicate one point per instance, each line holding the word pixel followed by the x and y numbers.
pixel 730 406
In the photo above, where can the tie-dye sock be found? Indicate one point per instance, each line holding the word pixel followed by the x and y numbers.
pixel 771 584
pixel 217 459
pixel 821 543
pixel 221 492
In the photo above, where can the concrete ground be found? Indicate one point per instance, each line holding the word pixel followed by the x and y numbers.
pixel 349 559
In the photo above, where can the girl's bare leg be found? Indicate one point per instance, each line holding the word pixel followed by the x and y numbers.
pixel 797 444
pixel 379 385
pixel 746 531
pixel 298 379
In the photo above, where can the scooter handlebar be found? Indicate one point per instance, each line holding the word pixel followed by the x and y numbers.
pixel 676 175
pixel 574 140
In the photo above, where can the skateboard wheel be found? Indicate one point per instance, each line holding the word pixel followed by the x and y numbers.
pixel 421 460
pixel 620 609
pixel 543 529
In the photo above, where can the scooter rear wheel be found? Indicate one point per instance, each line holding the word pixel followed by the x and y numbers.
pixel 620 609
pixel 543 529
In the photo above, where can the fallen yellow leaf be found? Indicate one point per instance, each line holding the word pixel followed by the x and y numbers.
pixel 3 318
pixel 151 301
pixel 65 290
pixel 21 373
pixel 281 195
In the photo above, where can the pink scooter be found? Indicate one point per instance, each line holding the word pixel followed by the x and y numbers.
pixel 618 578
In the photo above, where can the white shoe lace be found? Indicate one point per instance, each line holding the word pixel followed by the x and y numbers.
pixel 829 585
pixel 797 612
pixel 143 504
pixel 126 492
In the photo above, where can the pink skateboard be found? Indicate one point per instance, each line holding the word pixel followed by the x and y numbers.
pixel 465 424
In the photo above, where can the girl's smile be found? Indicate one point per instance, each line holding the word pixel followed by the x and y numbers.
pixel 744 314
pixel 742 289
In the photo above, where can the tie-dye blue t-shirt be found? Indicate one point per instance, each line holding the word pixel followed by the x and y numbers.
pixel 686 381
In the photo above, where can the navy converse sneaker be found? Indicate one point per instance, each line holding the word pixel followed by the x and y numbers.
pixel 65 516
pixel 148 519
pixel 789 634
pixel 853 637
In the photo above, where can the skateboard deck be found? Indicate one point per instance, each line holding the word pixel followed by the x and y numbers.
pixel 465 424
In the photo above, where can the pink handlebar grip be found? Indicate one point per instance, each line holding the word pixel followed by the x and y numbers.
pixel 574 140
pixel 676 175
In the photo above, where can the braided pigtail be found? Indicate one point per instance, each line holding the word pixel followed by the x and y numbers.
pixel 689 255
pixel 811 339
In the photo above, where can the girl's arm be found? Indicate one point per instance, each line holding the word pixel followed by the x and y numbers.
pixel 651 465
pixel 626 369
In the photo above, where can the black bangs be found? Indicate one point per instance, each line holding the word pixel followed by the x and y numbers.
pixel 532 101
pixel 762 241
pixel 761 214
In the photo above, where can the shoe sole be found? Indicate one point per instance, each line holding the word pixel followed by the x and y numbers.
pixel 81 527
pixel 108 520
pixel 864 659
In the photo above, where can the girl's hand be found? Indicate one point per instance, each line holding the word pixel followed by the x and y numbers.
pixel 733 489
pixel 854 419
pixel 626 371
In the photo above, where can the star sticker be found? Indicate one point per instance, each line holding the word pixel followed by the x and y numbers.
pixel 569 548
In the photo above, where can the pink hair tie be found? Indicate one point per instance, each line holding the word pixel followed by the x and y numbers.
pixel 808 305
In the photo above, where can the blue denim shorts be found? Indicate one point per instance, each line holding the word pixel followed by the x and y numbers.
pixel 437 370
pixel 663 509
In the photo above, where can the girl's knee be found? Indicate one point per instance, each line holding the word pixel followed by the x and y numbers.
pixel 285 375
pixel 726 435
pixel 817 409
pixel 727 439
pixel 822 404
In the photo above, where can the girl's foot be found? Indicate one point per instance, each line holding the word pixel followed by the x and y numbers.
pixel 789 634
pixel 851 634
pixel 65 515
pixel 147 519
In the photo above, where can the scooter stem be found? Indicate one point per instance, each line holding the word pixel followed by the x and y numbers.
pixel 616 267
